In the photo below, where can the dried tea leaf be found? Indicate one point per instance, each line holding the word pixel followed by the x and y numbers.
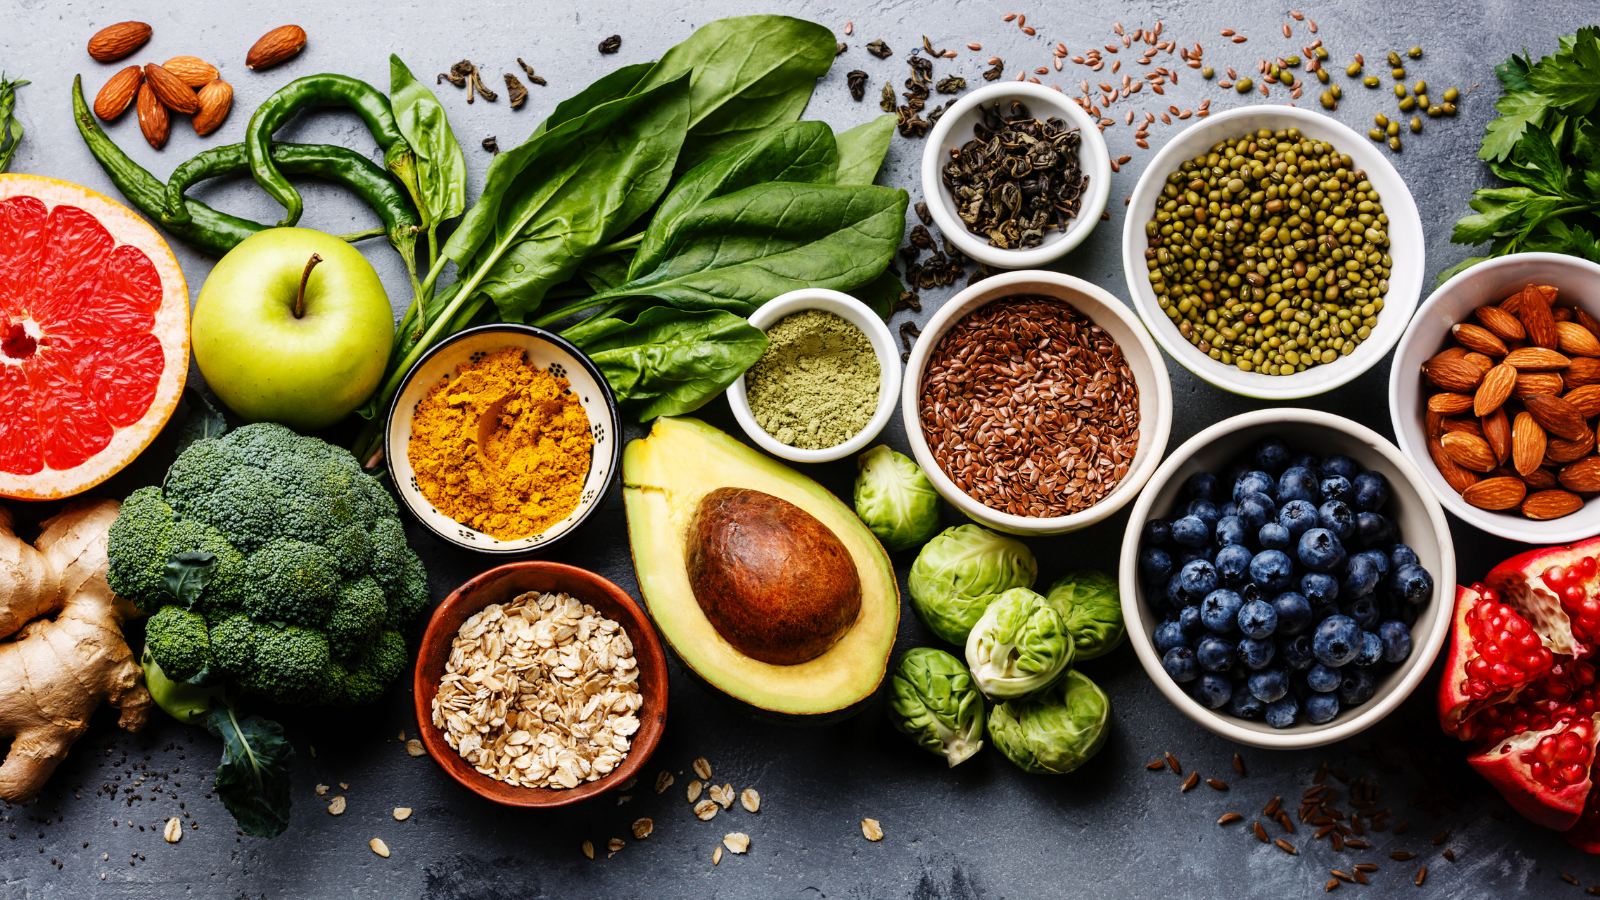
pixel 951 85
pixel 857 82
pixel 515 91
pixel 532 78
pixel 611 44
pixel 879 49
pixel 886 100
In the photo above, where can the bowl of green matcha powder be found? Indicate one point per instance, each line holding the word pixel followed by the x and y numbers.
pixel 827 383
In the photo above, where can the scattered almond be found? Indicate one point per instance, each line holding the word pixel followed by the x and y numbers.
pixel 1503 324
pixel 1527 443
pixel 402 813
pixel 1551 504
pixel 1558 416
pixel 194 72
pixel 738 841
pixel 170 90
pixel 337 806
pixel 153 121
pixel 1503 492
pixel 216 98
pixel 174 830
pixel 871 830
pixel 276 46
pixel 1469 451
pixel 379 847
pixel 113 42
pixel 642 828
pixel 750 800
pixel 118 93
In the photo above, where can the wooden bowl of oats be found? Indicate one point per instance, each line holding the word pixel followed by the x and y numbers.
pixel 540 684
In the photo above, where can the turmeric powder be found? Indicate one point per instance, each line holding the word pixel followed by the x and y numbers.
pixel 529 470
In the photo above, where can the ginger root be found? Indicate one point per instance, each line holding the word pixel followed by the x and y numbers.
pixel 55 672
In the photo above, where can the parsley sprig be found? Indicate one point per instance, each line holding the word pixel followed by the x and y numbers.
pixel 10 125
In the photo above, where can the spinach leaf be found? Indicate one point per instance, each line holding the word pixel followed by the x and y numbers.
pixel 881 293
pixel 739 251
pixel 609 87
pixel 438 181
pixel 253 777
pixel 203 421
pixel 671 361
pixel 187 574
pixel 862 149
pixel 606 271
pixel 799 151
pixel 10 125
pixel 750 73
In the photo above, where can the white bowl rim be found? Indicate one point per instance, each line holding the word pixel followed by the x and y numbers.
pixel 1400 206
pixel 1094 160
pixel 877 331
pixel 1442 611
pixel 1510 527
pixel 1156 432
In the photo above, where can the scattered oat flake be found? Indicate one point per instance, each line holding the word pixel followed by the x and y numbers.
pixel 738 841
pixel 379 847
pixel 702 768
pixel 663 781
pixel 624 799
pixel 337 806
pixel 750 799
pixel 716 855
pixel 706 810
pixel 402 813
pixel 588 849
pixel 871 830
pixel 174 830
pixel 616 844
pixel 345 785
pixel 694 790
pixel 628 785
pixel 402 735
pixel 642 828
pixel 723 795
pixel 321 789
pixel 415 748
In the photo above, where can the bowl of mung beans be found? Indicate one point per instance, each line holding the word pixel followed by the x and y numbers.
pixel 1273 252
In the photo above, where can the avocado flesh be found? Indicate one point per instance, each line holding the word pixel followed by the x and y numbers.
pixel 665 476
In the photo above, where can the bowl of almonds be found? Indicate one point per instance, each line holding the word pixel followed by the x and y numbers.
pixel 540 684
pixel 1495 394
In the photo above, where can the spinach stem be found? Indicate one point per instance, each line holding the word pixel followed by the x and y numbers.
pixel 627 243
pixel 557 315
pixel 370 233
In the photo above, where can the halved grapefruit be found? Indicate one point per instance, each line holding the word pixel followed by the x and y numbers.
pixel 94 337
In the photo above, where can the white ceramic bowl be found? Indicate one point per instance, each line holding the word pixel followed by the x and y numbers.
pixel 544 351
pixel 1453 303
pixel 856 313
pixel 1405 248
pixel 954 129
pixel 1411 505
pixel 1106 311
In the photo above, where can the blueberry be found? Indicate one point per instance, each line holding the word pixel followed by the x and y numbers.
pixel 1180 664
pixel 1360 576
pixel 1256 654
pixel 1196 579
pixel 1189 621
pixel 1233 564
pixel 1245 706
pixel 1321 708
pixel 1230 531
pixel 1297 484
pixel 1343 466
pixel 1296 652
pixel 1320 551
pixel 1372 491
pixel 1323 679
pixel 1364 610
pixel 1379 559
pixel 1293 611
pixel 1336 641
pixel 1357 687
pixel 1282 712
pixel 1220 611
pixel 1271 569
pixel 1299 516
pixel 1319 588
pixel 1156 531
pixel 1373 529
pixel 1229 509
pixel 1202 486
pixel 1205 511
pixel 1258 619
pixel 1155 565
pixel 1191 531
pixel 1413 583
pixel 1213 691
pixel 1269 684
pixel 1256 482
pixel 1335 516
pixel 1174 592
pixel 1214 653
pixel 1256 510
pixel 1336 487
pixel 1272 455
pixel 1169 634
pixel 1396 639
pixel 1304 461
pixel 1401 556
pixel 1371 650
pixel 1188 555
pixel 1273 536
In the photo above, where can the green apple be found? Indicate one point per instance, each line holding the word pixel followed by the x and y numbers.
pixel 274 354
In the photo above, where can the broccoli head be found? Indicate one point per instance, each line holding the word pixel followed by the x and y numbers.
pixel 312 585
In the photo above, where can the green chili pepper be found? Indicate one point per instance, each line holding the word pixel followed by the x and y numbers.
pixel 313 91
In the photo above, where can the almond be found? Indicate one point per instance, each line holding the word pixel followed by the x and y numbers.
pixel 1551 504
pixel 1582 371
pixel 1536 359
pixel 1432 424
pixel 1559 452
pixel 1530 383
pixel 1582 476
pixel 113 42
pixel 1534 311
pixel 1476 337
pixel 1497 431
pixel 1448 353
pixel 1496 493
pixel 276 46
pixel 191 70
pixel 1528 441
pixel 118 93
pixel 171 91
pixel 1454 475
pixel 1560 314
pixel 153 119
pixel 1465 426
pixel 1453 374
pixel 1558 417
pixel 1582 317
pixel 1513 303
pixel 1495 390
pixel 1449 404
pixel 1540 479
pixel 216 98
pixel 1468 450
pixel 1482 361
pixel 1503 324
pixel 1586 398
pixel 1576 340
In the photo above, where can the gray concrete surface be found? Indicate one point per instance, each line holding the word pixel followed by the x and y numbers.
pixel 984 830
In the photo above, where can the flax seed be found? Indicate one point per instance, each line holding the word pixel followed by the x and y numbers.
pixel 1217 784
pixel 1261 833
pixel 1402 856
pixel 1229 818
pixel 1286 847
pixel 1332 885
pixel 1449 856
pixel 1190 782
pixel 1342 876
pixel 1360 878
pixel 1286 31
pixel 1568 879
pixel 1153 766
pixel 1422 875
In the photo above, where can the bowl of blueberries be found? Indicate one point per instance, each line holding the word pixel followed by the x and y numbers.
pixel 1287 578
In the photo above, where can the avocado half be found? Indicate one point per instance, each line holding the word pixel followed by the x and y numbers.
pixel 665 477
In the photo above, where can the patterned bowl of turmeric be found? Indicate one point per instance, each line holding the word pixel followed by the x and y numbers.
pixel 503 439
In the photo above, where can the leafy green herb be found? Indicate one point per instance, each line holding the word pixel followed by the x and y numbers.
pixel 862 149
pixel 10 125
pixel 436 174
pixel 253 777
pixel 187 574
pixel 671 361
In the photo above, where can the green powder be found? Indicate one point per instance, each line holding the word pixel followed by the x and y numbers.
pixel 817 384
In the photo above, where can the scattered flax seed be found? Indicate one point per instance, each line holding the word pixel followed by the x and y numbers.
pixel 738 841
pixel 1239 39
pixel 663 781
pixel 1217 784
pixel 1441 837
pixel 750 800
pixel 1190 782
pixel 1298 15
pixel 1159 764
pixel 1313 24
pixel 1322 771
pixel 1261 833
pixel 1568 879
pixel 642 828
pixel 1332 885
pixel 716 855
pixel 694 790
pixel 702 768
pixel 337 806
pixel 1342 876
pixel 1228 32
pixel 1272 807
pixel 1342 775
pixel 1360 878
pixel 1402 855
pixel 1422 875
pixel 1402 828
pixel 974 46
pixel 1028 30
pixel 1286 31
pixel 379 847
pixel 1449 856
pixel 871 830
pixel 849 28
pixel 706 810
pixel 1286 847
pixel 1365 867
pixel 402 813
pixel 1229 818
pixel 1355 844
pixel 1009 17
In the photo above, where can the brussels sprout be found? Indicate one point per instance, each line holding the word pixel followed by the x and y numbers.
pixel 1055 732
pixel 960 571
pixel 1092 606
pixel 895 499
pixel 1019 646
pixel 933 700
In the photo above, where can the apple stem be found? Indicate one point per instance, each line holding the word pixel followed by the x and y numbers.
pixel 300 298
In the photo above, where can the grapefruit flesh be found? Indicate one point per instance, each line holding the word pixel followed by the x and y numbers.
pixel 94 337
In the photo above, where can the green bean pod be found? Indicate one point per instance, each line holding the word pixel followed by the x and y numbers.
pixel 306 93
